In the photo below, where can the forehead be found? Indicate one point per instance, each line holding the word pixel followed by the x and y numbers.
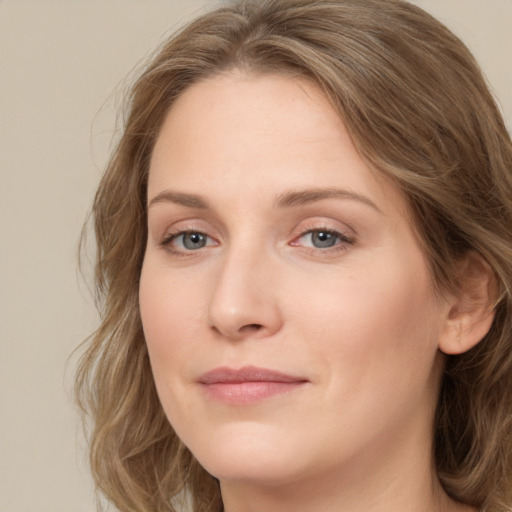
pixel 259 132
pixel 267 110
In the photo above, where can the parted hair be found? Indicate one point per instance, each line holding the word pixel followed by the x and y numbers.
pixel 419 111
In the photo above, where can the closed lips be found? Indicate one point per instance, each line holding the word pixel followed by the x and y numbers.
pixel 247 385
pixel 247 374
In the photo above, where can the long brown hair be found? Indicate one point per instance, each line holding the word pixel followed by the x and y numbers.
pixel 418 110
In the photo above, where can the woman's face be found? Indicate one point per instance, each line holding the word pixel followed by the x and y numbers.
pixel 288 310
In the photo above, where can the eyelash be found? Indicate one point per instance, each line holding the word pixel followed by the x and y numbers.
pixel 171 237
pixel 340 245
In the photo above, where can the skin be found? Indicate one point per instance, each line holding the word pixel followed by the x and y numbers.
pixel 358 321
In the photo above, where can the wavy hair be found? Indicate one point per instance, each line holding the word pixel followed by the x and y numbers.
pixel 418 109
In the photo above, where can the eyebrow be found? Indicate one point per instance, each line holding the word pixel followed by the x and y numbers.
pixel 292 199
pixel 180 198
pixel 303 197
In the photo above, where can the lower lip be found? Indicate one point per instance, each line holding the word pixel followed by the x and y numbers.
pixel 245 393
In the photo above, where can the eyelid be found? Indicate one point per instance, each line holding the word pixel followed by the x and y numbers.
pixel 168 245
pixel 343 239
pixel 166 235
pixel 325 224
pixel 345 234
pixel 172 235
pixel 175 226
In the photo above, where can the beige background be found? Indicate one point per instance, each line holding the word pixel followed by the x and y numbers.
pixel 60 63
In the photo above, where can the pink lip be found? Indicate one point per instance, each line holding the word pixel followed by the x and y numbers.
pixel 247 385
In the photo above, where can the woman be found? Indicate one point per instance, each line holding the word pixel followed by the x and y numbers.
pixel 305 267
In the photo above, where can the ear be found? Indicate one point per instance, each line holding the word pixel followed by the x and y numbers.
pixel 471 307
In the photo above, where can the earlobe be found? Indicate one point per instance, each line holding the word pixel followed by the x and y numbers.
pixel 470 311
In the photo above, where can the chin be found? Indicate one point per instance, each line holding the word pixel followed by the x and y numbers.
pixel 247 453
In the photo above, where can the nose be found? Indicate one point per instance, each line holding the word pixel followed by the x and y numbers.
pixel 244 303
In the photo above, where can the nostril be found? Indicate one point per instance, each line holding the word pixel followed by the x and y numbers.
pixel 251 328
pixel 245 330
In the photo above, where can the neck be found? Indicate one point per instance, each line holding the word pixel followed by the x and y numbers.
pixel 400 477
pixel 328 494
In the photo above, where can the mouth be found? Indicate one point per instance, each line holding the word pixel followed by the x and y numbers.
pixel 247 385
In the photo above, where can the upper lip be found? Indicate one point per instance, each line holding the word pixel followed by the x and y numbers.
pixel 246 374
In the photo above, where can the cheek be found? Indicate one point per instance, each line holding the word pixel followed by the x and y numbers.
pixel 370 323
pixel 170 315
pixel 374 344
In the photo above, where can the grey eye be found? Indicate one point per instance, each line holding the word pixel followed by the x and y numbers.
pixel 193 240
pixel 323 239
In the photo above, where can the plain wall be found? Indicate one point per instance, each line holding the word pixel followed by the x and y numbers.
pixel 60 63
